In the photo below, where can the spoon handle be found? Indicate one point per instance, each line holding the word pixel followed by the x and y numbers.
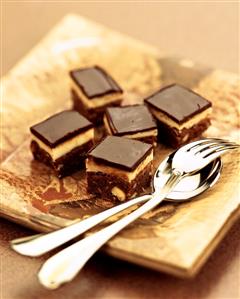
pixel 64 266
pixel 39 244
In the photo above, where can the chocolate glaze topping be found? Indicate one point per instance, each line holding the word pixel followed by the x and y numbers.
pixel 178 102
pixel 94 82
pixel 60 127
pixel 120 152
pixel 130 119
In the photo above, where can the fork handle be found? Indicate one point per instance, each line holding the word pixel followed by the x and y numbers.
pixel 64 266
pixel 39 244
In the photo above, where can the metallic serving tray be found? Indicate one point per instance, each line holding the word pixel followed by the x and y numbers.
pixel 173 238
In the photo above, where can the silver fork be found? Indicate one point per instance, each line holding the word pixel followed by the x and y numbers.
pixel 39 244
pixel 64 266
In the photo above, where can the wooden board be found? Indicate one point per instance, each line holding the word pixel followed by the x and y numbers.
pixel 173 238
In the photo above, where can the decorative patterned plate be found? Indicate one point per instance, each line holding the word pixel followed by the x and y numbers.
pixel 173 238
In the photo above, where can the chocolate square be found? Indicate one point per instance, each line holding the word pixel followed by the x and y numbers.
pixel 129 119
pixel 94 82
pixel 178 102
pixel 120 152
pixel 60 127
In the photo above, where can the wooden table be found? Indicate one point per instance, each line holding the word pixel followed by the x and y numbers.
pixel 108 278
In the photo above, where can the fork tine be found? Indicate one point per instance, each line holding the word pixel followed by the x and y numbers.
pixel 186 161
pixel 218 149
pixel 211 157
pixel 201 142
pixel 219 139
pixel 202 148
pixel 224 141
pixel 195 144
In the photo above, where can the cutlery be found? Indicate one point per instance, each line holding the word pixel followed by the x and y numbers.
pixel 64 266
pixel 190 186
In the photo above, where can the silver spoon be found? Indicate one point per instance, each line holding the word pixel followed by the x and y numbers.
pixel 189 187
pixel 64 266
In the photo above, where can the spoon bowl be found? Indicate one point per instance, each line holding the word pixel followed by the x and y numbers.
pixel 191 185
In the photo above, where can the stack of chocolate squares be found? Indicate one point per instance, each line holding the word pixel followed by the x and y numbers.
pixel 120 165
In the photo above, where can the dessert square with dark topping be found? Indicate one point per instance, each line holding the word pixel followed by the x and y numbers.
pixel 93 89
pixel 181 114
pixel 119 168
pixel 62 141
pixel 135 122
